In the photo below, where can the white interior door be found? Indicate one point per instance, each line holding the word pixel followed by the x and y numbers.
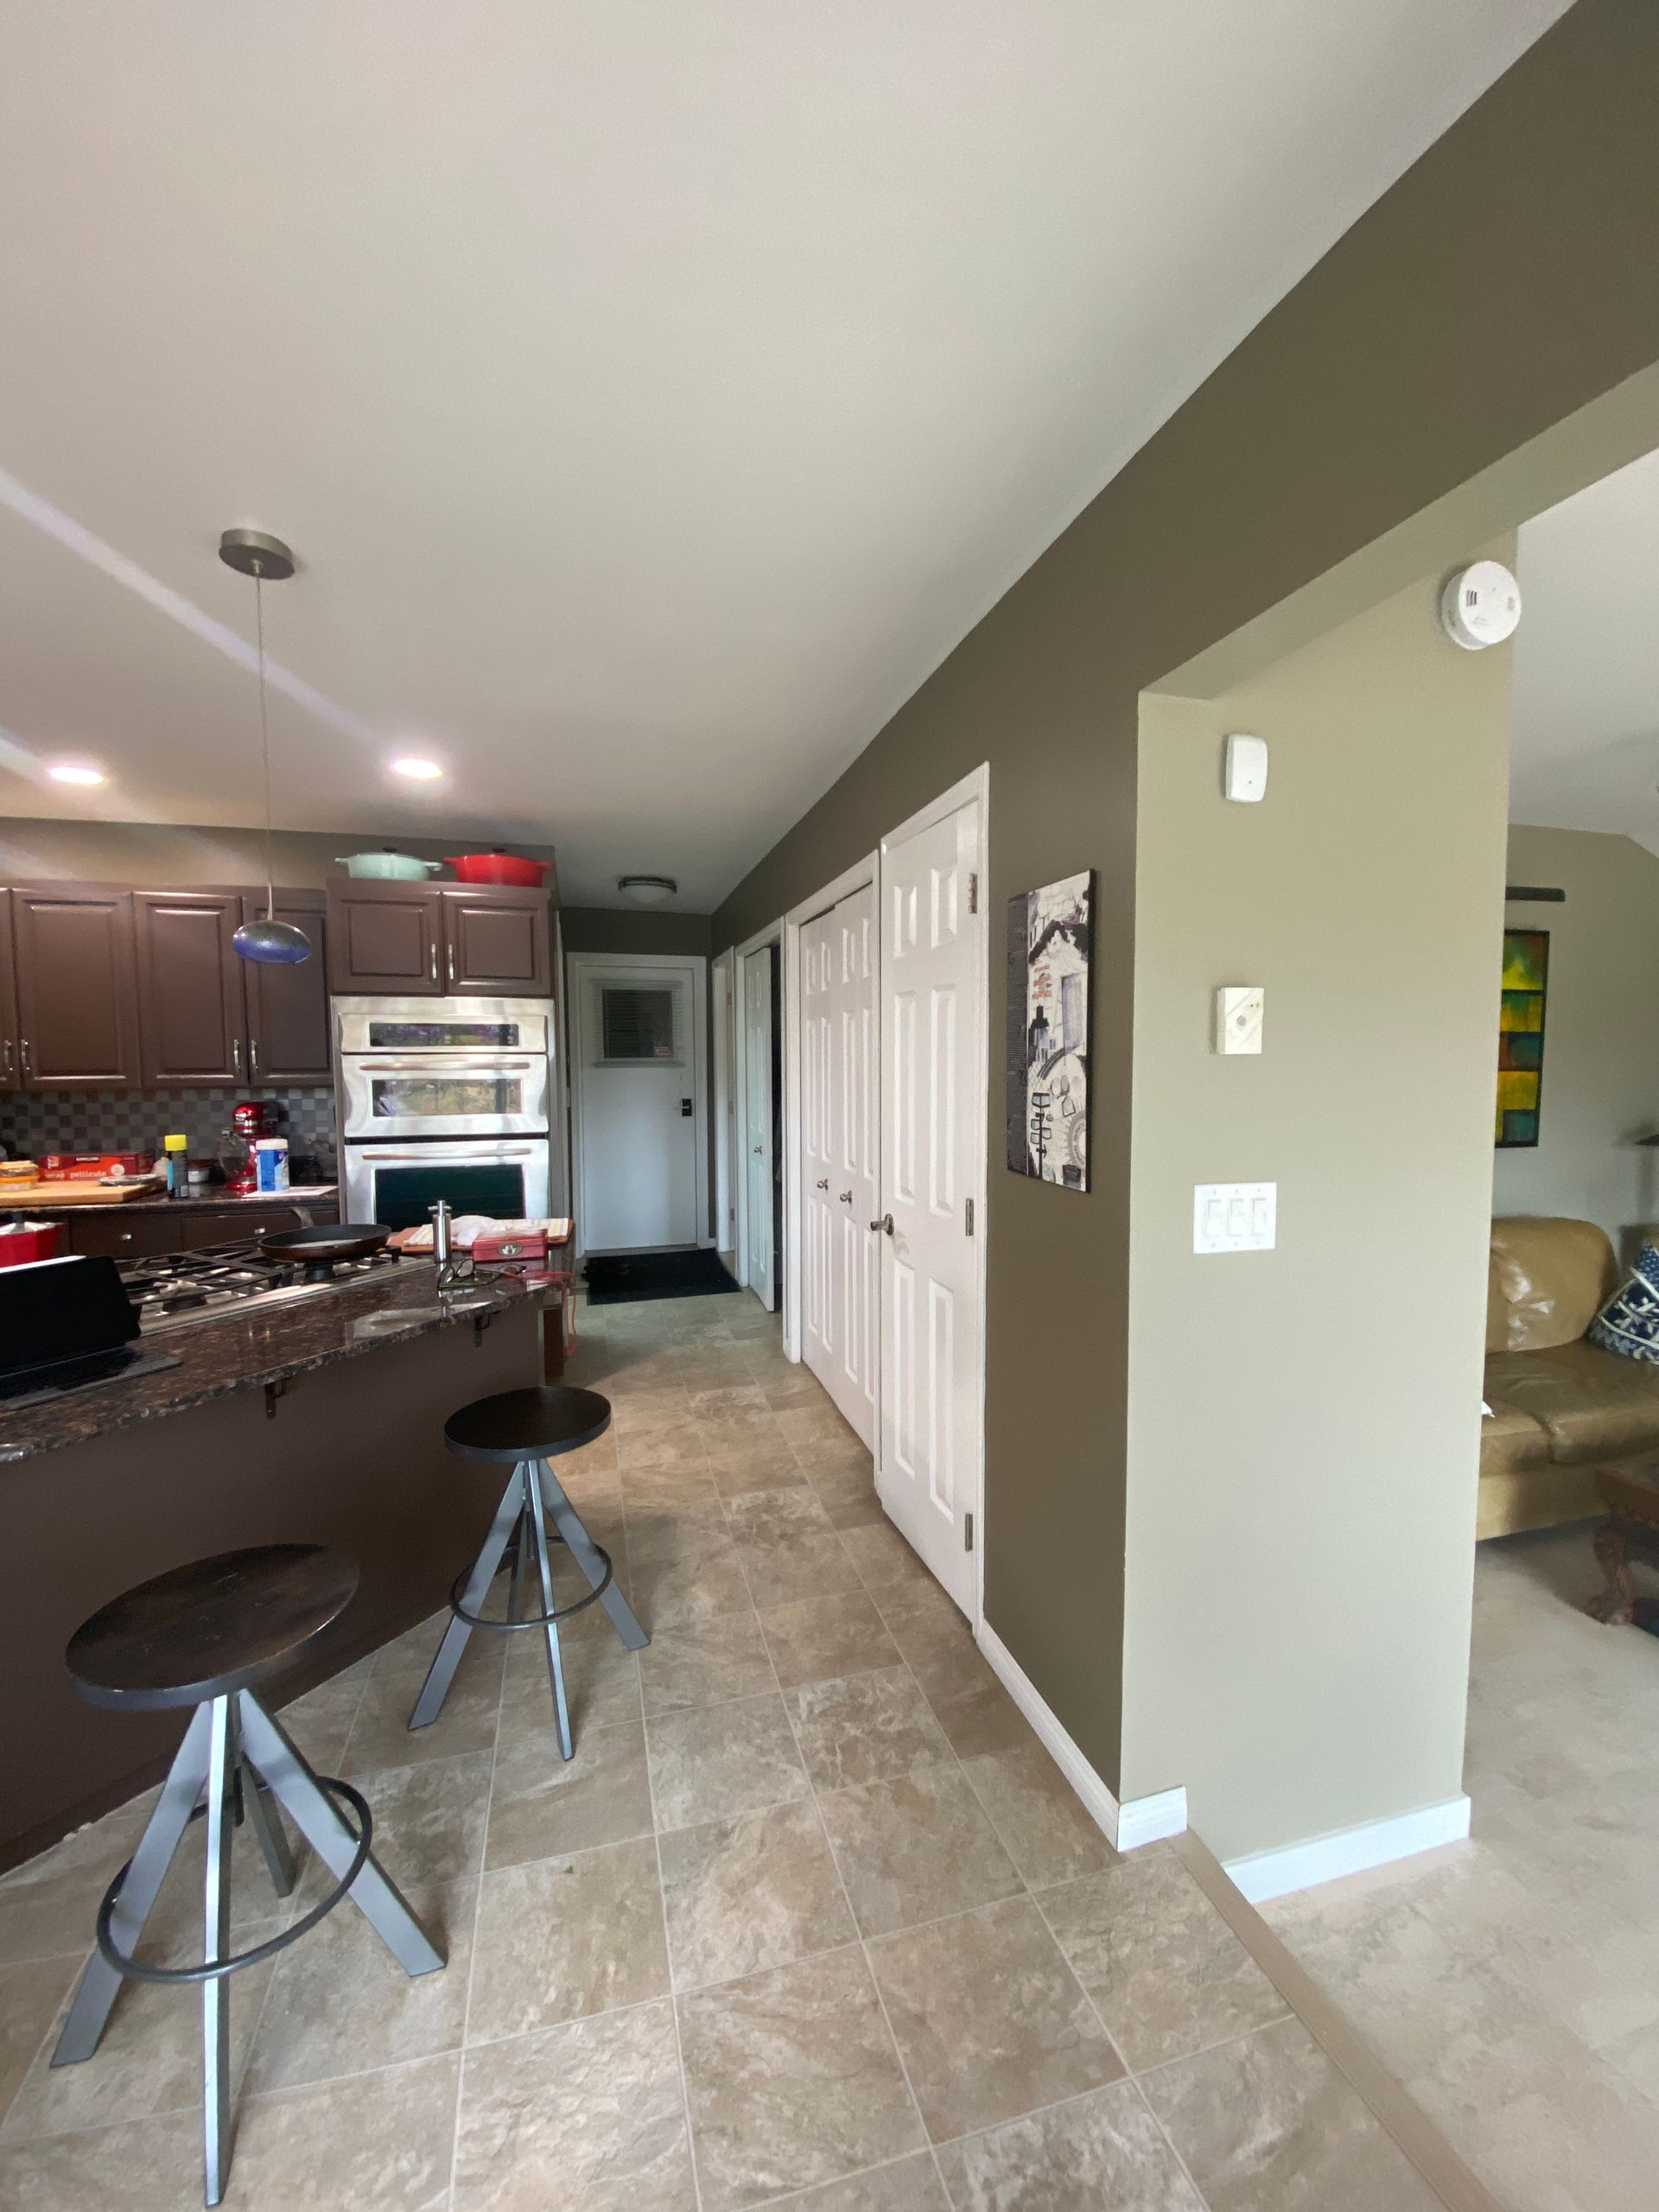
pixel 819 1317
pixel 757 1165
pixel 933 1166
pixel 855 1130
pixel 640 1125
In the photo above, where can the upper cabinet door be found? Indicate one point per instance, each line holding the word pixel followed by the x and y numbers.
pixel 496 939
pixel 190 1016
pixel 9 1070
pixel 77 988
pixel 288 1008
pixel 385 937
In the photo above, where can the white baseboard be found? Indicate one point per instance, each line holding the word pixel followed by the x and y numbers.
pixel 1266 1874
pixel 1143 1820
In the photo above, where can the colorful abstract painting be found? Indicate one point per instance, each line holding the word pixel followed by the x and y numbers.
pixel 1049 951
pixel 1521 1035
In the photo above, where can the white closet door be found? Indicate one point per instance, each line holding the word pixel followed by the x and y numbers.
pixel 932 1113
pixel 817 1156
pixel 856 1131
pixel 757 1085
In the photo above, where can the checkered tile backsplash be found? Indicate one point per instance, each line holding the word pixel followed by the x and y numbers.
pixel 136 1121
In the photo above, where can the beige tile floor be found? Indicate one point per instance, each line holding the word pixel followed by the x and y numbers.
pixel 1512 1982
pixel 810 1918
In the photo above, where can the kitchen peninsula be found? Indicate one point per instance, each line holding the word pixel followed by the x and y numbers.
pixel 319 1420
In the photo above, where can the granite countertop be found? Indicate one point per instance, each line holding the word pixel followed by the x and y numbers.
pixel 37 1198
pixel 245 1351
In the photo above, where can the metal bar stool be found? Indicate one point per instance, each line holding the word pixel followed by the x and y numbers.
pixel 527 1428
pixel 201 1636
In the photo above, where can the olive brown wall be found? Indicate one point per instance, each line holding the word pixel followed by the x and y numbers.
pixel 1419 354
pixel 175 856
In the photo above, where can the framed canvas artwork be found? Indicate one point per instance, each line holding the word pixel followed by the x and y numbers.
pixel 1049 947
pixel 1521 1035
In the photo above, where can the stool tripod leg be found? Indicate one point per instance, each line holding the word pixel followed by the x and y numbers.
pixel 555 1664
pixel 222 1766
pixel 441 1672
pixel 298 1791
pixel 520 1546
pixel 568 1522
pixel 267 1824
pixel 100 1983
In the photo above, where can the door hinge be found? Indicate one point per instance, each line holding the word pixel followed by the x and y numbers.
pixel 969 1223
pixel 972 895
pixel 967 1532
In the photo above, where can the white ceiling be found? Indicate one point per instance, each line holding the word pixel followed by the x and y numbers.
pixel 653 393
pixel 1585 752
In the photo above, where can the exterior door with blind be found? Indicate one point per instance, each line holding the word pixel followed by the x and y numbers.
pixel 841 1135
pixel 933 1093
pixel 640 1119
pixel 757 1094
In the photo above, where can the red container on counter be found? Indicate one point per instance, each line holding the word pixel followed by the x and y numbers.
pixel 23 1241
pixel 78 1167
pixel 524 1247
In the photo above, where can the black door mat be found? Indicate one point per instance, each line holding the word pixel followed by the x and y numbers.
pixel 616 1279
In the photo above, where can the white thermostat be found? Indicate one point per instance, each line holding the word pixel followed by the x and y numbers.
pixel 1480 605
pixel 1240 1009
pixel 1246 775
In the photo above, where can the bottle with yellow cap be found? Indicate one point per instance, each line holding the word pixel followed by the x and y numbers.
pixel 176 1150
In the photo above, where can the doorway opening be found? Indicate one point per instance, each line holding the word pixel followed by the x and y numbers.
pixel 757 1090
pixel 639 1123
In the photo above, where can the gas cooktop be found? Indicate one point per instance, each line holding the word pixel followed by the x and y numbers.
pixel 175 1287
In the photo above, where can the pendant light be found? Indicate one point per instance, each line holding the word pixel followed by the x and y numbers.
pixel 267 560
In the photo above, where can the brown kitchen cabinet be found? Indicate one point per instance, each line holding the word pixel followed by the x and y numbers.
pixel 190 1012
pixel 288 1008
pixel 128 1235
pixel 76 988
pixel 429 940
pixel 239 1222
pixel 9 1077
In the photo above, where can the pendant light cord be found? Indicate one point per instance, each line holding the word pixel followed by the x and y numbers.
pixel 264 742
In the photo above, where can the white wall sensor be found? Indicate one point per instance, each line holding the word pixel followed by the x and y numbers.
pixel 1247 767
pixel 1240 1011
pixel 1480 605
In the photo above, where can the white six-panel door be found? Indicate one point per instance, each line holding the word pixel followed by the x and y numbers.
pixel 856 1132
pixel 757 1165
pixel 932 963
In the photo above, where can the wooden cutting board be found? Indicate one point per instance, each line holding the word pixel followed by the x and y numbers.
pixel 46 1197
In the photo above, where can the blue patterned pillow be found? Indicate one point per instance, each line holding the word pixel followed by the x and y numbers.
pixel 1629 1322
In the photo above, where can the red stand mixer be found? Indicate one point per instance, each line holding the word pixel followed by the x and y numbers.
pixel 252 1119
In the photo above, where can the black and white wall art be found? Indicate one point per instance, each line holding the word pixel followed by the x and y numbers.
pixel 1050 945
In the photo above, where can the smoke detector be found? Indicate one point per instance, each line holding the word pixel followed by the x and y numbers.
pixel 1480 605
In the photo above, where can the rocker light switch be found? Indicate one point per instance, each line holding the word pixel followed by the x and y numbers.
pixel 1234 1217
pixel 1240 1009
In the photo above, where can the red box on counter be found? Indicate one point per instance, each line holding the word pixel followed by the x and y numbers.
pixel 24 1241
pixel 76 1167
pixel 526 1247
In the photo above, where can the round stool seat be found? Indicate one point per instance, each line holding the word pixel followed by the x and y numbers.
pixel 528 1424
pixel 216 1625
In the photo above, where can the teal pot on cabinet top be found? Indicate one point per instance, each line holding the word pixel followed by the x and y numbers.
pixel 402 867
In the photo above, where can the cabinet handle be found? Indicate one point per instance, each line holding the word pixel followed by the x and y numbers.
pixel 435 960
pixel 451 964
pixel 253 1056
pixel 23 1049
pixel 7 1068
pixel 236 1055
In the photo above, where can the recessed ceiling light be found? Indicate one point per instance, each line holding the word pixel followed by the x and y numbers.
pixel 70 772
pixel 647 890
pixel 417 770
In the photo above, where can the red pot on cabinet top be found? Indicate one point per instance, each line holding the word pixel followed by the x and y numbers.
pixel 497 867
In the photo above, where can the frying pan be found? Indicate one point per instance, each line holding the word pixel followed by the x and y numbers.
pixel 319 1246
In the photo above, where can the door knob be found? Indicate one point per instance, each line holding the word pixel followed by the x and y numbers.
pixel 884 1223
pixel 823 1183
pixel 846 1198
pixel 759 1149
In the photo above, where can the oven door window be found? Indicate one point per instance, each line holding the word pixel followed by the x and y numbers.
pixel 446 1097
pixel 404 1196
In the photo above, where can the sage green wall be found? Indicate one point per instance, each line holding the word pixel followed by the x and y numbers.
pixel 1601 1043
pixel 1365 429
pixel 1304 1423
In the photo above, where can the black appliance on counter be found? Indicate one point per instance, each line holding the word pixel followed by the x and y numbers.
pixel 66 1324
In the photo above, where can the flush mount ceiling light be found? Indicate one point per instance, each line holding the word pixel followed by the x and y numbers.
pixel 267 560
pixel 417 770
pixel 70 772
pixel 647 890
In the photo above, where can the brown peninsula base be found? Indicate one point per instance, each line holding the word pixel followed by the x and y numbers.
pixel 350 1454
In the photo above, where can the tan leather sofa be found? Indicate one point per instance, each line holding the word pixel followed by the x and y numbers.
pixel 1560 1406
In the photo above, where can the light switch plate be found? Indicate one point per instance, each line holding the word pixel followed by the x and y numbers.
pixel 1234 1217
pixel 1240 1011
